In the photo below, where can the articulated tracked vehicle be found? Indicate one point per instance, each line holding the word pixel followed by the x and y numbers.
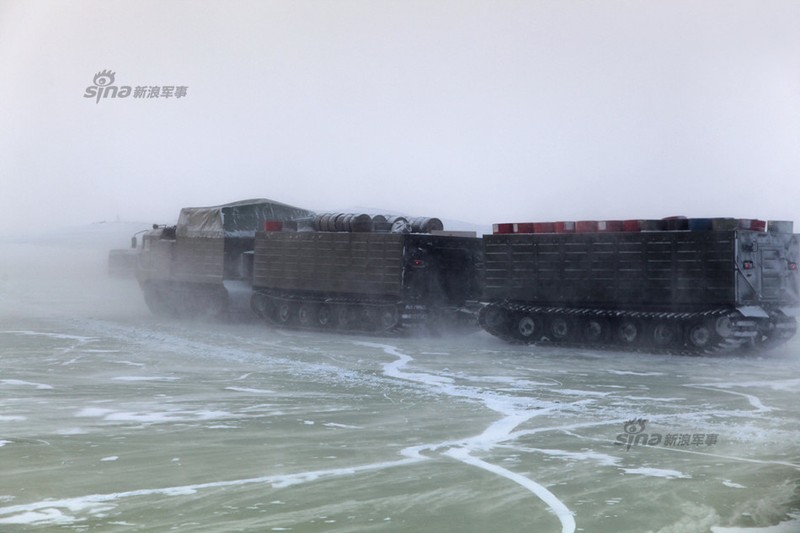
pixel 346 272
pixel 675 285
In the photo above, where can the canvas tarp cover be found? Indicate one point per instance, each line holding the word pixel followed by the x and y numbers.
pixel 237 219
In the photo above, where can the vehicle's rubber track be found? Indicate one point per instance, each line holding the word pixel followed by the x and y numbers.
pixel 352 315
pixel 711 331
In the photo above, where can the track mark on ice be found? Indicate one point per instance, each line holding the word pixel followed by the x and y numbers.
pixel 253 391
pixel 657 472
pixel 755 401
pixel 54 512
pixel 59 336
pixel 557 506
pixel 40 386
pixel 145 378
pixel 514 412
pixel 76 339
pixel 632 373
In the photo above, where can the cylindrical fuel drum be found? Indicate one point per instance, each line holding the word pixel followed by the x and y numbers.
pixel 752 224
pixel 320 221
pixel 724 224
pixel 586 226
pixel 700 224
pixel 565 227
pixel 426 225
pixel 361 223
pixel 676 223
pixel 609 226
pixel 523 227
pixel 503 228
pixel 632 226
pixel 399 224
pixel 653 225
pixel 780 226
pixel 339 222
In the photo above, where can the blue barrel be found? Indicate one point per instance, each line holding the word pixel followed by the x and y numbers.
pixel 700 224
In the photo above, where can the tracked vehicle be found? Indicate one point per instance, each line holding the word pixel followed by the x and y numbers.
pixel 676 285
pixel 293 268
pixel 367 277
pixel 199 267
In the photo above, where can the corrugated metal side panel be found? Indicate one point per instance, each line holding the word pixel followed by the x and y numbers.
pixel 336 263
pixel 154 261
pixel 616 269
pixel 199 260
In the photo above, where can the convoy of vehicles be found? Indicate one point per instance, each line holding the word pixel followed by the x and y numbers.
pixel 674 285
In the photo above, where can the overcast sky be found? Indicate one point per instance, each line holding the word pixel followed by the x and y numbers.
pixel 484 111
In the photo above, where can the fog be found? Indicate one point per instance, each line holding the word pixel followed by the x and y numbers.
pixel 114 419
pixel 478 111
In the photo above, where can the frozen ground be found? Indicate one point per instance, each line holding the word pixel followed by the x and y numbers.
pixel 112 420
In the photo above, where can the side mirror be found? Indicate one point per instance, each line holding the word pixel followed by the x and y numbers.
pixel 133 242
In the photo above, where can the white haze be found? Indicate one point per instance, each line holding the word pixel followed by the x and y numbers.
pixel 113 418
pixel 484 111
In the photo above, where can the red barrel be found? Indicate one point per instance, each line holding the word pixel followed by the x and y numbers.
pixel 586 226
pixel 753 225
pixel 632 226
pixel 565 227
pixel 502 229
pixel 546 227
pixel 523 227
pixel 273 225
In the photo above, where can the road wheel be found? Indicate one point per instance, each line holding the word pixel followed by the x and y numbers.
pixel 367 317
pixel 700 335
pixel 388 317
pixel 559 328
pixel 324 316
pixel 594 330
pixel 666 334
pixel 344 316
pixel 262 306
pixel 306 315
pixel 285 312
pixel 527 328
pixel 494 317
pixel 628 333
